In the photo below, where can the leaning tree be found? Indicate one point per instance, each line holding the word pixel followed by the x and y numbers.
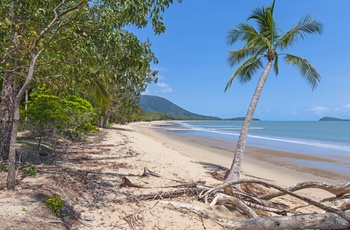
pixel 265 43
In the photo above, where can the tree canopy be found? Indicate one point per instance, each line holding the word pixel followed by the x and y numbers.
pixel 77 48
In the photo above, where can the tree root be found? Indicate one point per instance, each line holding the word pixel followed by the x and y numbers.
pixel 337 190
pixel 334 217
pixel 222 198
pixel 302 221
pixel 308 200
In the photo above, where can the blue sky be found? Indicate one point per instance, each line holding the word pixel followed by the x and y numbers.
pixel 193 67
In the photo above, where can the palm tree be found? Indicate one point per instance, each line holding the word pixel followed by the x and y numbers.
pixel 265 43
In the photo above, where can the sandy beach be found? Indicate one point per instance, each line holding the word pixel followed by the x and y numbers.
pixel 277 166
pixel 89 176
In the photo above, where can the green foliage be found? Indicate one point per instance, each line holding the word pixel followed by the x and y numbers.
pixel 48 113
pixel 29 169
pixel 150 116
pixel 45 112
pixel 55 203
pixel 268 42
pixel 4 167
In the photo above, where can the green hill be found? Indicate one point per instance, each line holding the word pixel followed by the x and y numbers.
pixel 157 104
pixel 333 119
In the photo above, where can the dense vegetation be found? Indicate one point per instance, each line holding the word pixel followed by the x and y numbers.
pixel 77 57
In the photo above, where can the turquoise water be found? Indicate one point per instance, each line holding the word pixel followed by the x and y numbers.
pixel 327 139
pixel 311 137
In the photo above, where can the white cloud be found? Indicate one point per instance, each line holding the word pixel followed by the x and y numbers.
pixel 320 109
pixel 346 106
pixel 164 87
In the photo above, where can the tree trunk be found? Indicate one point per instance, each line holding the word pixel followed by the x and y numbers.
pixel 106 117
pixel 8 95
pixel 11 176
pixel 235 171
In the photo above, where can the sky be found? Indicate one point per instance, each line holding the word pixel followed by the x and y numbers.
pixel 193 67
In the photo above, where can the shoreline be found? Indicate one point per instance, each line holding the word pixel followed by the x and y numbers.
pixel 272 165
pixel 89 179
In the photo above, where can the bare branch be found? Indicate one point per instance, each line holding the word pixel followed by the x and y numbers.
pixel 337 190
pixel 308 200
pixel 302 221
pixel 222 198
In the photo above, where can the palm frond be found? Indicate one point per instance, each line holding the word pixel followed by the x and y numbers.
pixel 265 21
pixel 306 25
pixel 307 71
pixel 237 56
pixel 243 32
pixel 101 95
pixel 246 71
pixel 260 16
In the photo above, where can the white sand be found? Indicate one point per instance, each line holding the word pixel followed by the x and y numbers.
pixel 131 148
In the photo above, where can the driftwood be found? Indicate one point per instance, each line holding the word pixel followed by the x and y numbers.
pixel 147 172
pixel 188 191
pixel 308 200
pixel 337 190
pixel 342 204
pixel 334 217
pixel 258 203
pixel 302 221
pixel 127 183
pixel 222 198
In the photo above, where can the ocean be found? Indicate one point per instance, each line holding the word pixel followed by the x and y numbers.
pixel 327 139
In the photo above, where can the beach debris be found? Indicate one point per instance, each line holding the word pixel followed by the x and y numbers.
pixel 285 191
pixel 301 221
pixel 224 199
pixel 147 172
pixel 127 183
pixel 342 204
pixel 338 189
pixel 164 195
pixel 244 205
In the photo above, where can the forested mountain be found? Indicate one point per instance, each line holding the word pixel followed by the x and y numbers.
pixel 157 104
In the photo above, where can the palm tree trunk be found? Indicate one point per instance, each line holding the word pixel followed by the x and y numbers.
pixel 235 171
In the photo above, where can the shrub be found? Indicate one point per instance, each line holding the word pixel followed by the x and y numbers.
pixel 29 169
pixel 4 167
pixel 55 203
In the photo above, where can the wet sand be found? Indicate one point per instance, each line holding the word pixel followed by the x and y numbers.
pixel 285 168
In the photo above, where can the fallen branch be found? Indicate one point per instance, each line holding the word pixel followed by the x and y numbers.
pixel 240 205
pixel 258 203
pixel 342 204
pixel 302 221
pixel 147 172
pixel 337 190
pixel 308 200
pixel 165 195
pixel 127 183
